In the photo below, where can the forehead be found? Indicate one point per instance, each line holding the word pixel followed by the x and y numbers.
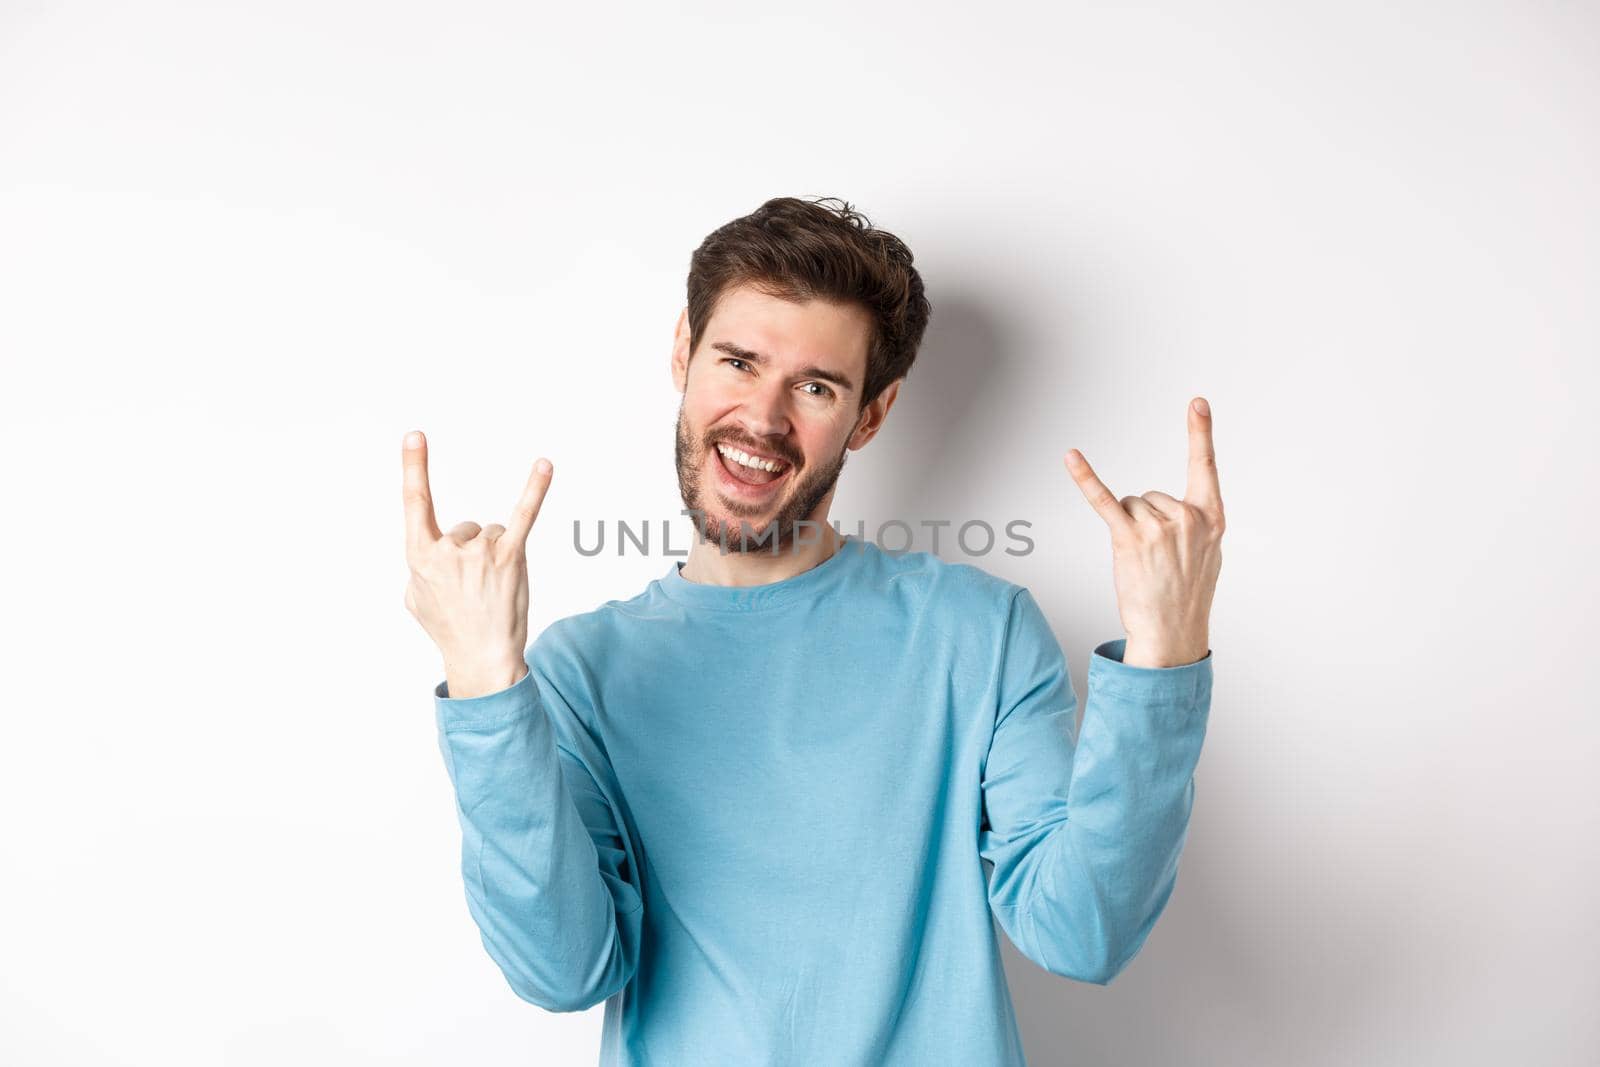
pixel 820 332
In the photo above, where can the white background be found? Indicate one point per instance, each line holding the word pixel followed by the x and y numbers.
pixel 243 249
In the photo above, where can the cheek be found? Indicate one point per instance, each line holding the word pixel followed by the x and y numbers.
pixel 708 404
pixel 821 444
pixel 700 414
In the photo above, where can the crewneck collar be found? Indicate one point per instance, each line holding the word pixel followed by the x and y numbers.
pixel 807 584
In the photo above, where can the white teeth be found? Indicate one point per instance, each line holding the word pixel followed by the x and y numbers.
pixel 748 460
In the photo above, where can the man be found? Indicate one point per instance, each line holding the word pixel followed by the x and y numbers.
pixel 750 807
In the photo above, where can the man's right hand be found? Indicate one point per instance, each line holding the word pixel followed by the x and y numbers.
pixel 469 587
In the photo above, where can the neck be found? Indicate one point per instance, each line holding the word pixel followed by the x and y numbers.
pixel 709 565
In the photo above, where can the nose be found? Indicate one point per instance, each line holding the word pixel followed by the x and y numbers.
pixel 765 412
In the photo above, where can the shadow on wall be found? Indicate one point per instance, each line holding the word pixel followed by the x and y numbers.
pixel 929 455
pixel 1244 966
pixel 1226 967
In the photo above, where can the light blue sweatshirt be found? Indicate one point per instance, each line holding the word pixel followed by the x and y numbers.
pixel 758 822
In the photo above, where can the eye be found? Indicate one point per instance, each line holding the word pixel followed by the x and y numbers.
pixel 735 359
pixel 825 390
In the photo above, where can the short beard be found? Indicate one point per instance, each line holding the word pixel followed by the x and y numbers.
pixel 736 534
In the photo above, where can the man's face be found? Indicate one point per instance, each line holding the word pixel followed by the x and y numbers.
pixel 780 382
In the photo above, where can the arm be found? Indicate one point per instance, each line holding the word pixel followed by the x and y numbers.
pixel 543 853
pixel 1084 832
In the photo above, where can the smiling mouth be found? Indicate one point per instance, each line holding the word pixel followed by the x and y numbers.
pixel 750 471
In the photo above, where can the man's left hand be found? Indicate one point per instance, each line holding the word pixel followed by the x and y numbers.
pixel 1165 553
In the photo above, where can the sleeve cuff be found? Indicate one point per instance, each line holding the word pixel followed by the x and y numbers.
pixel 491 709
pixel 1188 682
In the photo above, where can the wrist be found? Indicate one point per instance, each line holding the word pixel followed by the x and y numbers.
pixel 476 680
pixel 1137 652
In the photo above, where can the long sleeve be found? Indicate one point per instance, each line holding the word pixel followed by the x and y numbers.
pixel 1084 831
pixel 544 853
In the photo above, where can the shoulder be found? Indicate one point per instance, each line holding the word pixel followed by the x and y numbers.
pixel 598 628
pixel 942 585
pixel 571 657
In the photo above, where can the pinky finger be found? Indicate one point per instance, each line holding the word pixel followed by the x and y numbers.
pixel 1095 492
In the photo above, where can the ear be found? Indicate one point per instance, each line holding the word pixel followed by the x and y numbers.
pixel 680 352
pixel 871 420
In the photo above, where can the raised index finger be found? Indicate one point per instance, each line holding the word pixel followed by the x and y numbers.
pixel 421 528
pixel 1202 489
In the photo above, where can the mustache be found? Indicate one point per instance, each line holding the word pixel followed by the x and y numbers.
pixel 753 447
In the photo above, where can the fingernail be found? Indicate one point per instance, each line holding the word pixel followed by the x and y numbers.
pixel 413 439
pixel 1202 407
pixel 543 466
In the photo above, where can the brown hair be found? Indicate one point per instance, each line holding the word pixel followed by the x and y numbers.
pixel 804 250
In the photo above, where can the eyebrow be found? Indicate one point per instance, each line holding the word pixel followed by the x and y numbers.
pixel 813 371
